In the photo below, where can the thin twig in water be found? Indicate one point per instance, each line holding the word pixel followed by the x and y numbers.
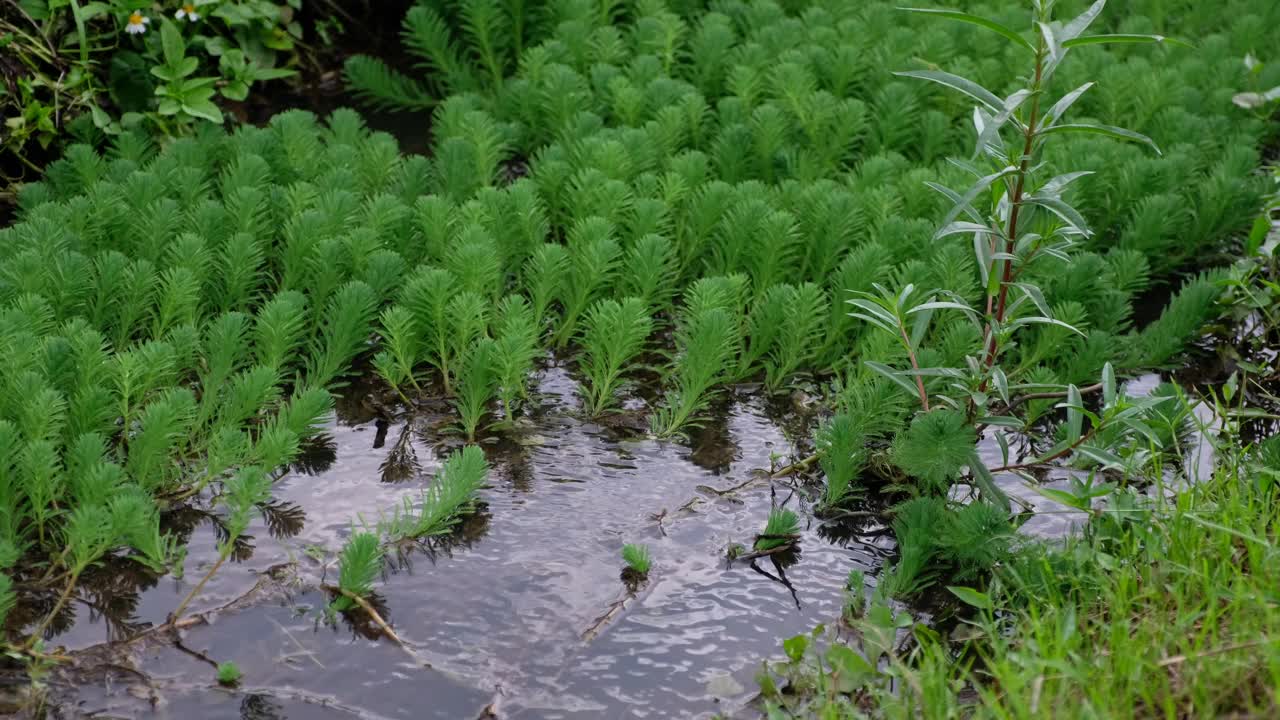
pixel 599 624
pixel 795 467
pixel 766 553
pixel 302 648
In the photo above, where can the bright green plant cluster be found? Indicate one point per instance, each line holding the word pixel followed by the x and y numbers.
pixel 108 66
pixel 171 324
pixel 451 496
pixel 1154 605
pixel 637 559
pixel 741 172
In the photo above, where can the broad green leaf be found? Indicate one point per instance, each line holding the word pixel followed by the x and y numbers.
pixel 1121 38
pixel 1037 320
pixel 979 21
pixel 961 226
pixel 235 90
pixel 1066 212
pixel 1001 421
pixel 991 128
pixel 1063 497
pixel 1002 383
pixel 851 669
pixel 1251 100
pixel 954 197
pixel 941 305
pixel 1033 293
pixel 203 109
pixel 955 82
pixel 972 597
pixel 1106 130
pixel 1003 442
pixel 1054 187
pixel 795 647
pixel 1105 457
pixel 171 43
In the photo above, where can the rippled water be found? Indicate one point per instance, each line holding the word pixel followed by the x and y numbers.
pixel 502 613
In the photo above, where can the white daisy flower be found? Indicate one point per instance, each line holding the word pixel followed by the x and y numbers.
pixel 187 12
pixel 137 23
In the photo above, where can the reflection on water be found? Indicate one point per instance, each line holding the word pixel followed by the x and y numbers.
pixel 498 608
pixel 520 609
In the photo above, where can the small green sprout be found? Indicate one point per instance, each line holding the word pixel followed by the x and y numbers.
pixel 637 559
pixel 229 674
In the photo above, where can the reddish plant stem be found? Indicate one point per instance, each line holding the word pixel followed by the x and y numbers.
pixel 1015 206
pixel 915 364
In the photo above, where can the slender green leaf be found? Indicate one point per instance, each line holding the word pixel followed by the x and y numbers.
pixel 955 82
pixel 969 596
pixel 1106 130
pixel 892 374
pixel 979 21
pixel 1075 418
pixel 1122 38
pixel 1064 103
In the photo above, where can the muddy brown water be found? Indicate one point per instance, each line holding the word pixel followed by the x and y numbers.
pixel 503 611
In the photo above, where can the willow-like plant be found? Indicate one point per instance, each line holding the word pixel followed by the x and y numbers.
pixel 1019 218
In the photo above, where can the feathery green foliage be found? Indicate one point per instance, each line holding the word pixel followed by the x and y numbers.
pixel 441 506
pixel 359 565
pixel 842 448
pixel 782 527
pixel 637 559
pixel 229 673
pixel 613 334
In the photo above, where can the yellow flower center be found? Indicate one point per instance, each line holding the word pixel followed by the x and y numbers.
pixel 189 8
pixel 135 18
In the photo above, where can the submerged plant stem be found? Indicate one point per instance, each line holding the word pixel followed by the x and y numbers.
pixel 173 617
pixel 57 608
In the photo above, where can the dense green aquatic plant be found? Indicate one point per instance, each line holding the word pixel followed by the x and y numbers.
pixel 842 445
pixel 441 506
pixel 637 559
pixel 613 334
pixel 706 342
pixel 478 385
pixel 229 674
pixel 782 528
pixel 359 566
pixel 466 46
pixel 515 350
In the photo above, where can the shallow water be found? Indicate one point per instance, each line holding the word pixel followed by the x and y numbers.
pixel 504 611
